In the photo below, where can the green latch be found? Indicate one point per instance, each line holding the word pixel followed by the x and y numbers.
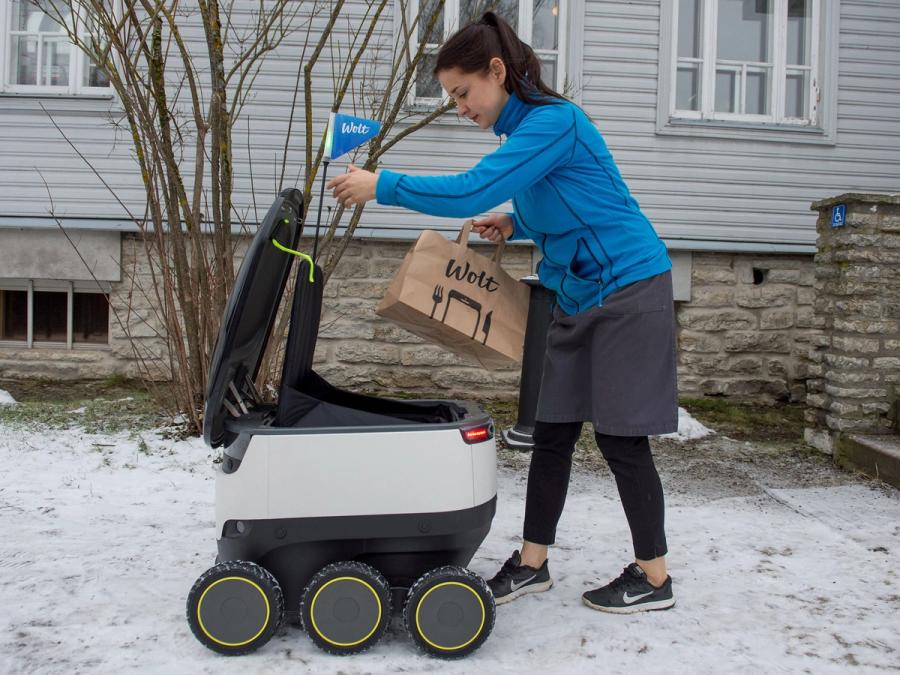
pixel 307 258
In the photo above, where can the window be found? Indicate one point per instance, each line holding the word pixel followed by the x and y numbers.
pixel 14 315
pixel 745 62
pixel 37 56
pixel 53 313
pixel 540 23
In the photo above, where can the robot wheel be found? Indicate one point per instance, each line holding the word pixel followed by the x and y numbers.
pixel 346 607
pixel 449 612
pixel 235 607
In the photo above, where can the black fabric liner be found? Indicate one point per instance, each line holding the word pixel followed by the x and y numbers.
pixel 306 400
pixel 316 403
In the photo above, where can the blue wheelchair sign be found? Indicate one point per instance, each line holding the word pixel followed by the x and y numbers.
pixel 839 215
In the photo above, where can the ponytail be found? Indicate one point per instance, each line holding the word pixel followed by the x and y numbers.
pixel 472 48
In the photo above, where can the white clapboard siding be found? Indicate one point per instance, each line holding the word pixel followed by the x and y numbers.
pixel 699 191
pixel 743 190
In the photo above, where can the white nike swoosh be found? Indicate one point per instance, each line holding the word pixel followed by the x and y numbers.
pixel 513 586
pixel 628 599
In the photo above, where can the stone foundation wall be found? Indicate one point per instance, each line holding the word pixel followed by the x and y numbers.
pixel 355 347
pixel 747 327
pixel 749 322
pixel 358 348
pixel 58 364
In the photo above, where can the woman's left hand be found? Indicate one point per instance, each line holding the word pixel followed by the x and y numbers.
pixel 357 186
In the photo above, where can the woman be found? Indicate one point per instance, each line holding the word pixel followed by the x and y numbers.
pixel 610 355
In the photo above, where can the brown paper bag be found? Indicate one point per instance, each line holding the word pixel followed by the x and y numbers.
pixel 451 296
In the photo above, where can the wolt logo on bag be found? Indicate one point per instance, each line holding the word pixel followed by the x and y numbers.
pixel 461 300
pixel 466 273
pixel 346 133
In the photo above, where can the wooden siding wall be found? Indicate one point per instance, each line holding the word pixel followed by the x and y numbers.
pixel 692 188
pixel 744 190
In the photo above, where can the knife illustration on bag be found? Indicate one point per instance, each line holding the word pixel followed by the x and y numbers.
pixel 486 326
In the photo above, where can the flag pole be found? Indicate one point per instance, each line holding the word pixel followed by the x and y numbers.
pixel 319 219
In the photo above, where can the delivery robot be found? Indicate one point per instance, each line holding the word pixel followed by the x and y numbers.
pixel 335 509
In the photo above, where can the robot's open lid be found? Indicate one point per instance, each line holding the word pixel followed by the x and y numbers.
pixel 249 316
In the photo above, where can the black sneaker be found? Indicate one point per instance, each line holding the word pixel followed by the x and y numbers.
pixel 515 579
pixel 630 593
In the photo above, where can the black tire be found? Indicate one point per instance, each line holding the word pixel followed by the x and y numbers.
pixel 235 607
pixel 449 612
pixel 346 607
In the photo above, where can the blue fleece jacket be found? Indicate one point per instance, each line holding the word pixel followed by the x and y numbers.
pixel 568 197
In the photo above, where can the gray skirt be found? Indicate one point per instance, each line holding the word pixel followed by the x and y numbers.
pixel 614 365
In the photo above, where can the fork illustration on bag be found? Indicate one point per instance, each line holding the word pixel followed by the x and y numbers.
pixel 437 296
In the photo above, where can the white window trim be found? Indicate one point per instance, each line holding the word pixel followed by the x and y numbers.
pixel 748 126
pixel 569 53
pixel 77 61
pixel 70 288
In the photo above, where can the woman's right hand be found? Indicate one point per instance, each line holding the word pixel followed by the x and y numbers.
pixel 496 227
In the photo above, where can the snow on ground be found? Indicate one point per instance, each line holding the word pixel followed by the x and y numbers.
pixel 6 398
pixel 104 536
pixel 688 428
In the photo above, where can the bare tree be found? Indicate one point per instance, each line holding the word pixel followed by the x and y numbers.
pixel 382 99
pixel 179 108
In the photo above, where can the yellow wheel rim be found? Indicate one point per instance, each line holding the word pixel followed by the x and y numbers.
pixel 312 612
pixel 467 642
pixel 233 644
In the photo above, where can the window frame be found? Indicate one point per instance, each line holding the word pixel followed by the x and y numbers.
pixel 818 128
pixel 78 61
pixel 565 58
pixel 70 288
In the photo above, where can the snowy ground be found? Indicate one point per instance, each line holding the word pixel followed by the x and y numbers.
pixel 778 567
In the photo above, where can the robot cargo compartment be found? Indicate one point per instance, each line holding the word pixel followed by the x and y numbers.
pixel 319 405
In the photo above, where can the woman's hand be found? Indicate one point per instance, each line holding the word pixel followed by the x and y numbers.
pixel 357 186
pixel 496 227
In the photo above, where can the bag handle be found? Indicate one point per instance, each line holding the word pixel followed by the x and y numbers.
pixel 463 240
pixel 498 254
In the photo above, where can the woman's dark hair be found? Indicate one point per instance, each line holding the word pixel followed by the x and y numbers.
pixel 472 47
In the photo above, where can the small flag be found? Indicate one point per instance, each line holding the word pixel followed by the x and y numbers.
pixel 345 133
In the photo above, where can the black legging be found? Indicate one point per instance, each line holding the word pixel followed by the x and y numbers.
pixel 631 462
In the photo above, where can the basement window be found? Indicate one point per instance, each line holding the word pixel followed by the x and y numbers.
pixel 53 314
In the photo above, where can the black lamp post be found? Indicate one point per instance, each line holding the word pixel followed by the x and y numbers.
pixel 540 306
